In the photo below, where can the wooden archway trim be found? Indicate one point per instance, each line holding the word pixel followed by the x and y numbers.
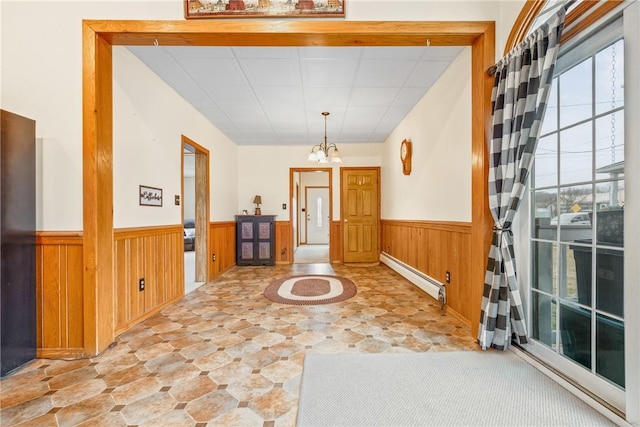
pixel 98 38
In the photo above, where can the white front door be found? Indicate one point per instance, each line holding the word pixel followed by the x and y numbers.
pixel 317 215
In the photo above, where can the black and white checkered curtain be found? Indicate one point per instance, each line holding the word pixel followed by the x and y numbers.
pixel 520 92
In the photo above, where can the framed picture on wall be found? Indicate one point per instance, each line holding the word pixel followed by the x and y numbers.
pixel 263 8
pixel 150 196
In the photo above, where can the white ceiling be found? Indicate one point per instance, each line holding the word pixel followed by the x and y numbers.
pixel 275 95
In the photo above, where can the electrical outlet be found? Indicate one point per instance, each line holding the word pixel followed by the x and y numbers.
pixel 141 284
pixel 213 257
pixel 284 206
pixel 447 277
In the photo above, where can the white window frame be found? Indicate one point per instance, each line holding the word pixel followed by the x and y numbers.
pixel 625 401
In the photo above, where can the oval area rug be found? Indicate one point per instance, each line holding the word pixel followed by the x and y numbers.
pixel 310 289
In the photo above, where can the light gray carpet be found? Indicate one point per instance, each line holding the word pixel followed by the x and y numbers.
pixel 435 389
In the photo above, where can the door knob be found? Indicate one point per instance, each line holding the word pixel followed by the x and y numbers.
pixel 346 220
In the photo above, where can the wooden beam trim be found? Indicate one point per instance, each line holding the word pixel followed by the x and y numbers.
pixel 59 238
pixel 289 33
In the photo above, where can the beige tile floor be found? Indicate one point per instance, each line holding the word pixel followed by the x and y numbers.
pixel 226 356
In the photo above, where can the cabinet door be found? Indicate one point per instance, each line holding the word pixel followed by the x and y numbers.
pixel 264 240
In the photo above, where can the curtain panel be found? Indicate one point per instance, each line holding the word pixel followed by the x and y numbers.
pixel 521 88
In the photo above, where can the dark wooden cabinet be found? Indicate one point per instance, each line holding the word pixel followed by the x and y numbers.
pixel 255 239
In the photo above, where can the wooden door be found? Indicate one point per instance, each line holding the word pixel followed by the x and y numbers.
pixel 360 191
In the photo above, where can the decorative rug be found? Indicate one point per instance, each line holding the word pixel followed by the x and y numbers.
pixel 311 289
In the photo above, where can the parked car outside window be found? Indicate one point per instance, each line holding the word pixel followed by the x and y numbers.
pixel 572 218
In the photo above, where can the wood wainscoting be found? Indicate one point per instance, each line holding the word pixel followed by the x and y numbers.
pixel 155 254
pixel 59 298
pixel 222 244
pixel 284 254
pixel 433 248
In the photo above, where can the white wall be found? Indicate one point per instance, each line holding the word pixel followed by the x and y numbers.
pixel 41 71
pixel 264 170
pixel 439 127
pixel 148 120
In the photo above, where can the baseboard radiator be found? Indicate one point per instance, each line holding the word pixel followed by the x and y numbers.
pixel 428 284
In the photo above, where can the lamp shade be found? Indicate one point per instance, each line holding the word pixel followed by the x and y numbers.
pixel 257 200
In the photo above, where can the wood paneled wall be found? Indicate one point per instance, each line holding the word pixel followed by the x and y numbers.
pixel 434 248
pixel 222 243
pixel 155 254
pixel 335 245
pixel 59 294
pixel 284 254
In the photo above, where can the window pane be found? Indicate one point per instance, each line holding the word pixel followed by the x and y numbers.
pixel 575 94
pixel 580 262
pixel 610 78
pixel 550 120
pixel 610 349
pixel 546 162
pixel 610 145
pixel 576 203
pixel 319 212
pixel 610 195
pixel 575 154
pixel 567 275
pixel 575 333
pixel 610 281
pixel 544 268
pixel 544 319
pixel 544 202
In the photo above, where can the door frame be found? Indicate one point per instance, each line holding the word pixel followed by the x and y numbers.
pixel 201 246
pixel 292 171
pixel 306 210
pixel 98 38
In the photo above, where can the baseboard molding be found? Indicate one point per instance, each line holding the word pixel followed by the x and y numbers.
pixel 612 414
pixel 421 280
pixel 59 353
pixel 146 315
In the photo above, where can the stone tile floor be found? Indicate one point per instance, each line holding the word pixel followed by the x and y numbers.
pixel 226 356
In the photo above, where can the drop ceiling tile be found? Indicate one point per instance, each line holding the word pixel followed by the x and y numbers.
pixel 167 69
pixel 409 53
pixel 194 95
pixel 326 98
pixel 409 96
pixel 215 71
pixel 354 137
pixel 337 53
pixel 179 52
pixel 271 72
pixel 380 73
pixel 372 96
pixel 364 118
pixel 444 53
pixel 279 95
pixel 265 52
pixel 426 73
pixel 231 95
pixel 328 72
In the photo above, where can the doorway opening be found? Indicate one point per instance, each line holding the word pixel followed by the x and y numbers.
pixel 195 213
pixel 311 212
